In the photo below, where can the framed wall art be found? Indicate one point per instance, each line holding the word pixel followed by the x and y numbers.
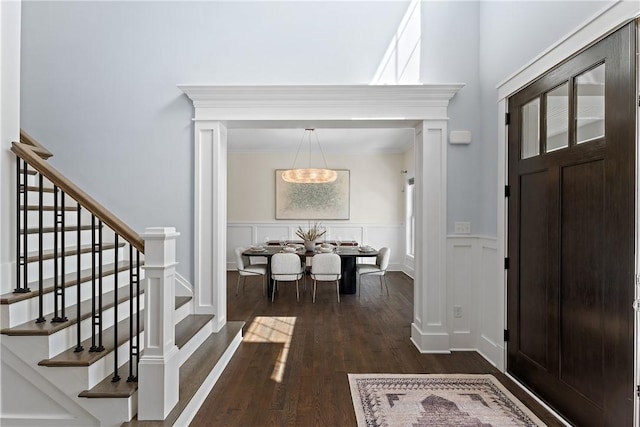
pixel 313 201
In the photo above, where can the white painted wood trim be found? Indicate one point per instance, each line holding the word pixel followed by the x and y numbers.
pixel 610 18
pixel 235 104
pixel 430 332
pixel 345 102
pixel 210 211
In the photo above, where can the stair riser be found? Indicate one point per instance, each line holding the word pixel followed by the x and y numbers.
pixel 187 350
pixel 183 312
pixel 66 338
pixel 24 311
pixel 79 378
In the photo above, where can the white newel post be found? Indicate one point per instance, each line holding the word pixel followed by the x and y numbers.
pixel 158 370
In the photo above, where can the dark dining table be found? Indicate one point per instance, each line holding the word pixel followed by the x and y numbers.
pixel 348 255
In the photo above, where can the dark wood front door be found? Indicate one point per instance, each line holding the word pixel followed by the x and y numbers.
pixel 570 285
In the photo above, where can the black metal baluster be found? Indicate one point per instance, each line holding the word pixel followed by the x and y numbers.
pixel 40 318
pixel 133 293
pixel 79 346
pixel 55 253
pixel 138 313
pixel 116 377
pixel 94 319
pixel 60 293
pixel 99 317
pixel 25 224
pixel 21 253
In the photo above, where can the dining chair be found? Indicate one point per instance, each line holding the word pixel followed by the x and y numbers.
pixel 326 267
pixel 286 267
pixel 377 269
pixel 245 268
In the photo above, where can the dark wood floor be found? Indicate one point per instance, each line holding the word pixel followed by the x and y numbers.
pixel 291 369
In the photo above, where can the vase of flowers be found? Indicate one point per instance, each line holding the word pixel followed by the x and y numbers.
pixel 311 234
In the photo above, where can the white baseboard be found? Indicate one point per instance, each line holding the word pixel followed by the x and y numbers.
pixel 437 343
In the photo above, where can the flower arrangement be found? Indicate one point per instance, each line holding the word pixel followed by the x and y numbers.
pixel 313 233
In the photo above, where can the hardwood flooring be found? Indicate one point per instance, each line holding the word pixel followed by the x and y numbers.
pixel 291 369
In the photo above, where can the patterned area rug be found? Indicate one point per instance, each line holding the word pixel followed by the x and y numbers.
pixel 416 400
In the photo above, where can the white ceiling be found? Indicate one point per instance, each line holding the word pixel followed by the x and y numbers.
pixel 332 140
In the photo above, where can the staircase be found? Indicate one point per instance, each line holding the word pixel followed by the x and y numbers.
pixel 73 323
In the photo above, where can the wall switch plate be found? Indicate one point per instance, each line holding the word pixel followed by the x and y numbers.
pixel 462 228
pixel 457 311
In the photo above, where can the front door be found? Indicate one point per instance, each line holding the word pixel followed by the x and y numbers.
pixel 570 285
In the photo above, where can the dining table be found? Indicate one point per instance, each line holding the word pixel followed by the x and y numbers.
pixel 348 256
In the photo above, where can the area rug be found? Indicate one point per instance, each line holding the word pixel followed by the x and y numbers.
pixel 415 400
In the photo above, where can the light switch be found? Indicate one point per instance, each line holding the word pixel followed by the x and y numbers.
pixel 462 228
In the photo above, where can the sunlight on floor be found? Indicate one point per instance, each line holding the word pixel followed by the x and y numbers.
pixel 279 330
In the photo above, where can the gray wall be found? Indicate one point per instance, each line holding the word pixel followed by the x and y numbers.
pixel 511 35
pixel 99 84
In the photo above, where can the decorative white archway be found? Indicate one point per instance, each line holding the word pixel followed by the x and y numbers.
pixel 423 107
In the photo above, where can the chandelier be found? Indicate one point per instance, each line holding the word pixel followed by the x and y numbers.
pixel 309 175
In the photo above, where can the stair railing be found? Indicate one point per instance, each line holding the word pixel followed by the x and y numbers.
pixel 31 156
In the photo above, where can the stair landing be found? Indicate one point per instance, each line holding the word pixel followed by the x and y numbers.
pixel 195 371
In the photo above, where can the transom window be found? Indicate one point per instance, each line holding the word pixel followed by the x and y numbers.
pixel 569 114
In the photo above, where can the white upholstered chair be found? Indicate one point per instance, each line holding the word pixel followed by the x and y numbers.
pixel 245 268
pixel 326 268
pixel 288 268
pixel 377 269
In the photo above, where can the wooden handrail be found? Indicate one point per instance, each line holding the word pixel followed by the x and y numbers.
pixel 36 146
pixel 35 155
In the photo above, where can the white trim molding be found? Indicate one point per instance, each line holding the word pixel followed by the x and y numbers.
pixel 385 102
pixel 422 107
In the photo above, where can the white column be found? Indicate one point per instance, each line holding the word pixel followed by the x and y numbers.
pixel 210 222
pixel 10 17
pixel 158 378
pixel 429 330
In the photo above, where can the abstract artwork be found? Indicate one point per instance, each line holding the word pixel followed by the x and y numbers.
pixel 313 201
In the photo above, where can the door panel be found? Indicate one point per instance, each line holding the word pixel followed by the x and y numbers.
pixel 583 283
pixel 570 285
pixel 533 282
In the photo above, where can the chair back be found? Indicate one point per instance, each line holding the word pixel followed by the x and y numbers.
pixel 241 260
pixel 326 267
pixel 286 267
pixel 382 260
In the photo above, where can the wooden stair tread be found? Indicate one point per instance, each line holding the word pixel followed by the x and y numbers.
pixel 31 328
pixel 194 371
pixel 36 189
pixel 189 326
pixel 36 230
pixel 184 331
pixel 107 389
pixel 50 208
pixel 72 250
pixel 29 172
pixel 69 280
pixel 86 357
pixel 180 301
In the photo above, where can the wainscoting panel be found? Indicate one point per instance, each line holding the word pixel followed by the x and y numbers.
pixel 461 288
pixel 241 234
pixel 475 298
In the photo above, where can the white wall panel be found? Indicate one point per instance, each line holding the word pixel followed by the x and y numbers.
pixel 391 236
pixel 472 284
